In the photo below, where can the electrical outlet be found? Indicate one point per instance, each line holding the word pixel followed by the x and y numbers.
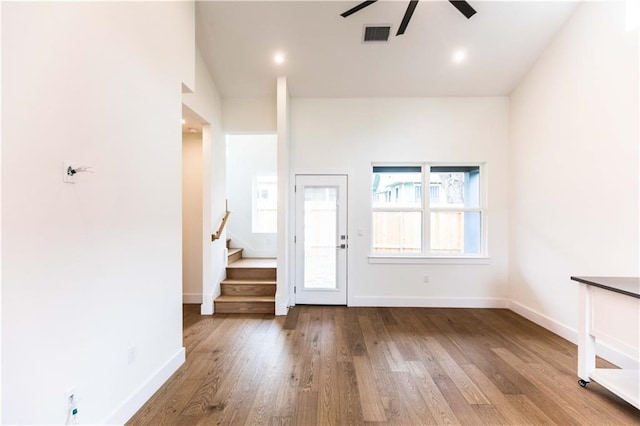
pixel 131 354
pixel 425 279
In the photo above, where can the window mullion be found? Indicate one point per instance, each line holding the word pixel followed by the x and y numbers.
pixel 426 209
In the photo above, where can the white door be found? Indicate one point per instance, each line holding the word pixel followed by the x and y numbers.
pixel 321 239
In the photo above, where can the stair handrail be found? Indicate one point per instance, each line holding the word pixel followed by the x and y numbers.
pixel 218 234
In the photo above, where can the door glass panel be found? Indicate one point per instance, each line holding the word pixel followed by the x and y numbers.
pixel 320 237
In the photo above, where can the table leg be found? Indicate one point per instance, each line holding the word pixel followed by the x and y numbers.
pixel 586 342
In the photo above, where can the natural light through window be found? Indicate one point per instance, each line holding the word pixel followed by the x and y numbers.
pixel 265 204
pixel 446 220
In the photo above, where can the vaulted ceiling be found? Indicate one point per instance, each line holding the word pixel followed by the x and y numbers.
pixel 325 55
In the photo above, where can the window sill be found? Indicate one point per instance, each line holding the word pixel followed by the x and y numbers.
pixel 429 260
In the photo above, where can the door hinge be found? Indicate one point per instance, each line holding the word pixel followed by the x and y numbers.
pixel 295 188
pixel 295 239
pixel 294 290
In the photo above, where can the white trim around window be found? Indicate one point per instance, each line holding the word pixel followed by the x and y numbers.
pixel 459 237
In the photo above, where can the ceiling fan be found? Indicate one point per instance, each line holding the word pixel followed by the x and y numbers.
pixel 464 8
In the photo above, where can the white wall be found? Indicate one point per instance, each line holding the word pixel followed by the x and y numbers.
pixel 91 269
pixel 249 115
pixel 574 166
pixel 192 218
pixel 206 103
pixel 249 156
pixel 347 135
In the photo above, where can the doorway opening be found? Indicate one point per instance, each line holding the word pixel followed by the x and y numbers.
pixel 252 193
pixel 194 220
pixel 321 240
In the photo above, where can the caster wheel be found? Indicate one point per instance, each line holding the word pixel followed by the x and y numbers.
pixel 582 382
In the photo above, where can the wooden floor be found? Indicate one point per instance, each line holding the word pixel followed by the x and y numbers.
pixel 352 366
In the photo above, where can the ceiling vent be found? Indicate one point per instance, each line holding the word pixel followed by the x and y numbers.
pixel 376 33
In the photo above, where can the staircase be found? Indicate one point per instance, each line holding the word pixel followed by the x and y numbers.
pixel 250 286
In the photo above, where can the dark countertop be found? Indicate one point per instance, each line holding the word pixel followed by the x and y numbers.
pixel 629 286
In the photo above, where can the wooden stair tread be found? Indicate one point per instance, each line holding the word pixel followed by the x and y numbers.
pixel 248 281
pixel 234 255
pixel 250 286
pixel 253 299
pixel 248 262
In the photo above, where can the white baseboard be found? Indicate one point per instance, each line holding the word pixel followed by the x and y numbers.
pixel 207 305
pixel 430 302
pixel 607 352
pixel 282 304
pixel 136 400
pixel 544 321
pixel 191 298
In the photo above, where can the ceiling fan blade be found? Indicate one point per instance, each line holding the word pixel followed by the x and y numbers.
pixel 464 7
pixel 407 17
pixel 357 8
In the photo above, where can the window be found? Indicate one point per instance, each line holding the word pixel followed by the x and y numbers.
pixel 265 205
pixel 397 209
pixel 448 223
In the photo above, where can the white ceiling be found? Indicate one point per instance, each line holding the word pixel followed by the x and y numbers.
pixel 325 56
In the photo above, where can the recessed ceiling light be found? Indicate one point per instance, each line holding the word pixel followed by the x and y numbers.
pixel 278 58
pixel 459 56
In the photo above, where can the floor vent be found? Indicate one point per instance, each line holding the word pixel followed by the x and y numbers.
pixel 376 33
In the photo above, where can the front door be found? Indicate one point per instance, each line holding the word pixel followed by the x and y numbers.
pixel 321 239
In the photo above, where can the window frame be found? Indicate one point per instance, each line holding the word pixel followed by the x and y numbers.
pixel 258 180
pixel 426 255
pixel 417 209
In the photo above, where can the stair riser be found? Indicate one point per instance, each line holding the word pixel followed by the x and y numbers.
pixel 248 289
pixel 245 308
pixel 251 273
pixel 236 256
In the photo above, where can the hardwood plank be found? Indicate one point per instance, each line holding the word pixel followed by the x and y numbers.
pixel 489 415
pixel 261 410
pixel 458 403
pixel 417 411
pixel 576 411
pixel 469 390
pixel 372 407
pixel 528 411
pixel 501 401
pixel 292 319
pixel 307 408
pixel 378 353
pixel 327 365
pixel 350 408
pixel 477 342
pixel 328 379
pixel 432 396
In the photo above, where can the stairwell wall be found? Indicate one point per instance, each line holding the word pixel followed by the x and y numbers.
pixel 205 101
